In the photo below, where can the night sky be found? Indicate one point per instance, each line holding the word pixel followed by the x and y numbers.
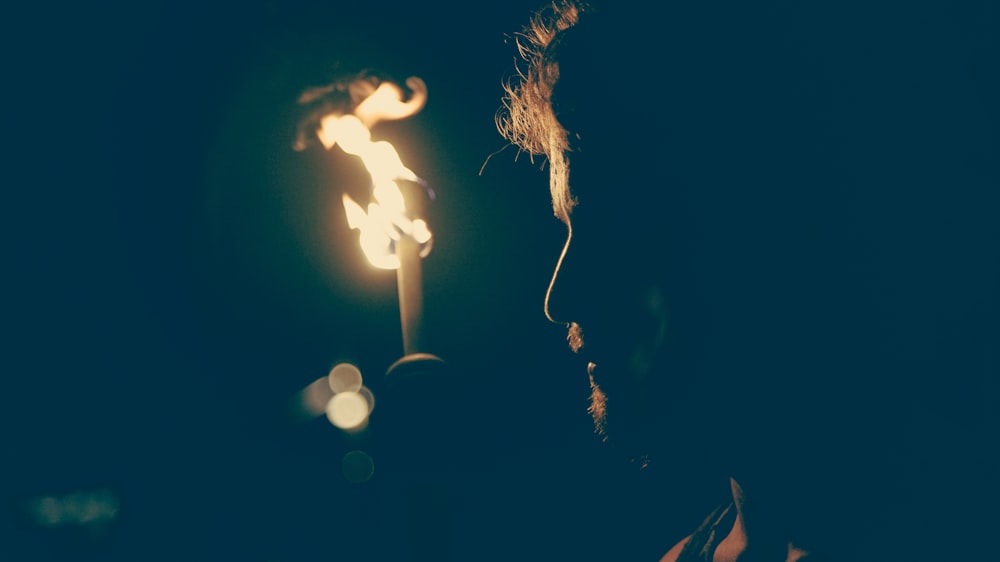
pixel 177 273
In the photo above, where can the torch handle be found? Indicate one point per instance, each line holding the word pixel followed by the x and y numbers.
pixel 409 281
pixel 409 275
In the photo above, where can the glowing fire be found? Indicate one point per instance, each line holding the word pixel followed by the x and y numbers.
pixel 386 219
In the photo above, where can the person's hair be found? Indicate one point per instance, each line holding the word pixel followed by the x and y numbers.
pixel 527 118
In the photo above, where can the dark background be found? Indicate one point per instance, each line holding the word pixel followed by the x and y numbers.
pixel 177 273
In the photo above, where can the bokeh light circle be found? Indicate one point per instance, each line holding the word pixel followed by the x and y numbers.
pixel 344 377
pixel 366 393
pixel 357 467
pixel 347 410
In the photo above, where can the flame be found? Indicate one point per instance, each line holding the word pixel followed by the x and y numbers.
pixel 386 219
pixel 386 102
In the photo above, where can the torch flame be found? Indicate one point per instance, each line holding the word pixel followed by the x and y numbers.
pixel 386 102
pixel 377 233
pixel 386 219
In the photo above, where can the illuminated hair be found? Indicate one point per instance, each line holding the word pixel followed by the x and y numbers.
pixel 527 118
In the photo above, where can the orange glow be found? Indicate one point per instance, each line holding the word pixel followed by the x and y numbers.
pixel 386 218
pixel 345 377
pixel 386 102
pixel 348 411
pixel 421 232
pixel 312 400
pixel 366 393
